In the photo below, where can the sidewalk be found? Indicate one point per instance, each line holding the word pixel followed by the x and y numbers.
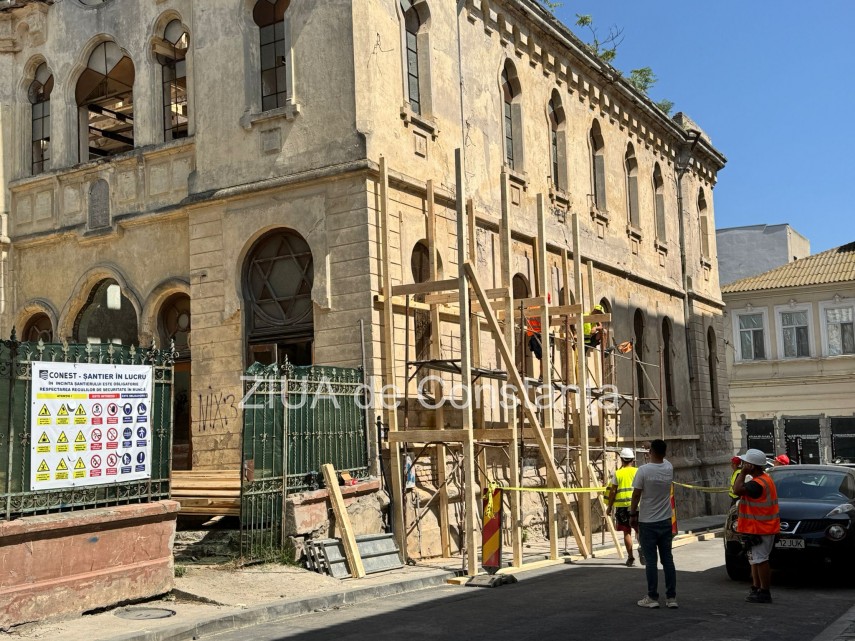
pixel 209 599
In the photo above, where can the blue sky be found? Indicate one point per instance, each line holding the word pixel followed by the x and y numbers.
pixel 772 84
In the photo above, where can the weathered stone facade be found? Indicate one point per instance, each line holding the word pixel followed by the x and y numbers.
pixel 184 215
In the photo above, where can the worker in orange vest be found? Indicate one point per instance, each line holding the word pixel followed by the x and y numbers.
pixel 758 521
pixel 532 330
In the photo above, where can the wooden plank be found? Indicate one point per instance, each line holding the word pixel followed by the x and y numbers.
pixel 212 502
pixel 514 377
pixel 391 413
pixel 495 294
pixel 211 511
pixel 428 436
pixel 211 494
pixel 427 287
pixel 342 519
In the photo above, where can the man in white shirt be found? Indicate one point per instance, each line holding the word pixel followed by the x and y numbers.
pixel 651 510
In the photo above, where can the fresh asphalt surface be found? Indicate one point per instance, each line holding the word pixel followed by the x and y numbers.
pixel 594 599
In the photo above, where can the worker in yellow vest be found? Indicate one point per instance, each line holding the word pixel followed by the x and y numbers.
pixel 619 497
pixel 735 465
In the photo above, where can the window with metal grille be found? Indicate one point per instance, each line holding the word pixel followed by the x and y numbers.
pixel 277 283
pixel 795 334
pixel 38 328
pixel 752 342
pixel 39 94
pixel 269 15
pixel 171 54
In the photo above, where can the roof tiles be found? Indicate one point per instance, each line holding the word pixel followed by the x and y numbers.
pixel 833 266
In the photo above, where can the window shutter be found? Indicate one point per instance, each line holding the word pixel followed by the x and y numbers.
pixel 632 187
pixel 660 217
pixel 600 181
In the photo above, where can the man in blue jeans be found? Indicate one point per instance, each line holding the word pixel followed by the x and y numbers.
pixel 651 510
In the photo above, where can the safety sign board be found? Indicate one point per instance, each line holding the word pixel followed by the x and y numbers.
pixel 76 410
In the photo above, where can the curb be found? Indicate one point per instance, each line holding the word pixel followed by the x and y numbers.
pixel 841 630
pixel 282 609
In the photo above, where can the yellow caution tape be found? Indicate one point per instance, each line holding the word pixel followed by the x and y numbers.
pixel 703 488
pixel 569 490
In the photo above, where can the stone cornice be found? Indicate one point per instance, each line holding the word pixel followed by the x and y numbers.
pixel 549 44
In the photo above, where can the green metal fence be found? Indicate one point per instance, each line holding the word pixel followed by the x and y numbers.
pixel 16 359
pixel 295 420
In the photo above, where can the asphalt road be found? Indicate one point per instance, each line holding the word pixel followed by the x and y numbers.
pixel 594 599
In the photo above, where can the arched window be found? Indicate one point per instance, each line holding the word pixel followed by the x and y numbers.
pixel 557 149
pixel 105 98
pixel 38 328
pixel 39 94
pixel 420 265
pixel 174 324
pixel 269 15
pixel 171 54
pixel 638 336
pixel 598 167
pixel 277 283
pixel 415 20
pixel 609 374
pixel 512 117
pixel 704 223
pixel 712 364
pixel 659 203
pixel 107 317
pixel 520 289
pixel 666 362
pixel 630 167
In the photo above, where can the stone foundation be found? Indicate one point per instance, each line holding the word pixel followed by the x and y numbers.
pixel 56 565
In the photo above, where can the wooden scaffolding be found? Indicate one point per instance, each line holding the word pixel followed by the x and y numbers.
pixel 476 309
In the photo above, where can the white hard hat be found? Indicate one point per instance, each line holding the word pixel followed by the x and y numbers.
pixel 627 454
pixel 754 457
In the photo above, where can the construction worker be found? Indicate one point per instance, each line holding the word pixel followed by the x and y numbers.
pixel 782 459
pixel 594 331
pixel 532 330
pixel 758 521
pixel 735 464
pixel 619 496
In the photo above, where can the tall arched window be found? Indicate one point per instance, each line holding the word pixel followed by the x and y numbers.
pixel 704 224
pixel 557 149
pixel 512 116
pixel 712 364
pixel 171 54
pixel 420 265
pixel 659 203
pixel 598 167
pixel 39 94
pixel 520 289
pixel 415 21
pixel 277 283
pixel 609 373
pixel 666 362
pixel 38 328
pixel 638 331
pixel 174 324
pixel 269 15
pixel 174 329
pixel 630 167
pixel 107 317
pixel 105 98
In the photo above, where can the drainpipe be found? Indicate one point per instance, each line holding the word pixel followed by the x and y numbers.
pixel 682 168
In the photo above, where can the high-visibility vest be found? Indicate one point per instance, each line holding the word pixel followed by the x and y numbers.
pixel 732 479
pixel 588 327
pixel 624 476
pixel 532 326
pixel 760 515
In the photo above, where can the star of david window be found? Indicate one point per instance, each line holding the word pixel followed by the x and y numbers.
pixel 278 279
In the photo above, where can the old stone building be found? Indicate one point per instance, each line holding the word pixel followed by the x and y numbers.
pixel 218 160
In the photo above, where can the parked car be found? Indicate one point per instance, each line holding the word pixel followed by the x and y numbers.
pixel 817 508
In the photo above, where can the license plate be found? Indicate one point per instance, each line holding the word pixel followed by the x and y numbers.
pixel 791 544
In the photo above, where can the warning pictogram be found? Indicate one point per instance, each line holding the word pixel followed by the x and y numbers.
pixel 44 438
pixel 63 410
pixel 44 411
pixel 43 446
pixel 80 465
pixel 62 443
pixel 43 472
pixel 62 465
pixel 80 438
pixel 62 438
pixel 62 415
pixel 43 467
pixel 80 411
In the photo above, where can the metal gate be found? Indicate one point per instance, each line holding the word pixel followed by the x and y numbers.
pixel 16 361
pixel 760 435
pixel 295 419
pixel 802 439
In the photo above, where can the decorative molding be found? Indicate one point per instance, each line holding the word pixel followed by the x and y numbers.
pixel 411 118
pixel 288 113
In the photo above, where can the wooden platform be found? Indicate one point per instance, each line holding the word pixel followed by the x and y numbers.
pixel 207 492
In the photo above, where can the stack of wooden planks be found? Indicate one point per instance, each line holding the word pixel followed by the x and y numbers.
pixel 207 492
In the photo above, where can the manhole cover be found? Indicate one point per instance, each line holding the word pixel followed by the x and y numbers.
pixel 144 613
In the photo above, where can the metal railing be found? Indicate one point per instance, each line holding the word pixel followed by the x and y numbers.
pixel 295 420
pixel 16 359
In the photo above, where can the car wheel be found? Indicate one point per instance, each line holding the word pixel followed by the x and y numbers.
pixel 737 566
